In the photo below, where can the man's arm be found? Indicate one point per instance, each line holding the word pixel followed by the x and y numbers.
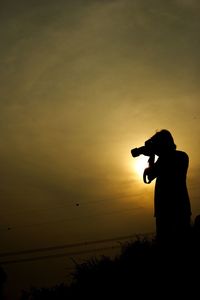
pixel 151 172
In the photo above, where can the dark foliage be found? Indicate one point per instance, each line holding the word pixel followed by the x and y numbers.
pixel 3 278
pixel 60 292
pixel 144 268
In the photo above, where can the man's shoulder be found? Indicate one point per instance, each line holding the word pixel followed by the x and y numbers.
pixel 182 154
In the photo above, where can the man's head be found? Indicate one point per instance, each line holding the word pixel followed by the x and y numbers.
pixel 161 142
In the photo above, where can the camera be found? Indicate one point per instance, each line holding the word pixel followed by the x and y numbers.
pixel 147 149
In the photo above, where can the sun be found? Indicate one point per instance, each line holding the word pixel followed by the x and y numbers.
pixel 140 163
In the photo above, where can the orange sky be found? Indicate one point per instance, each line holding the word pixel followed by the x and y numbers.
pixel 80 85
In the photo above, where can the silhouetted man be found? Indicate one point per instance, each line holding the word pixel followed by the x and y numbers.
pixel 172 204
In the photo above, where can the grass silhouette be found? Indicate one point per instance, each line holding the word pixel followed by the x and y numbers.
pixel 144 268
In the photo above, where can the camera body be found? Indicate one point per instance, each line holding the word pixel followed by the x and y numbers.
pixel 148 149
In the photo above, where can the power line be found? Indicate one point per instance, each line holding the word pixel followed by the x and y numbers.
pixel 65 246
pixel 57 255
pixel 61 247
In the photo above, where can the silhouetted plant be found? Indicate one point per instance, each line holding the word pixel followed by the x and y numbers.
pixel 60 292
pixel 3 278
pixel 144 268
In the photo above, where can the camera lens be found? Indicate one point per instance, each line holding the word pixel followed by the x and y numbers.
pixel 135 152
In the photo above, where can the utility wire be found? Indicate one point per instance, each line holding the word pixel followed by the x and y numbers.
pixel 6 262
pixel 66 246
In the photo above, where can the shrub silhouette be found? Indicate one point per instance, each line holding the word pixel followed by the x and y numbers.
pixel 3 278
pixel 144 268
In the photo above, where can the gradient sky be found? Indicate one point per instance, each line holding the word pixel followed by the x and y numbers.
pixel 81 83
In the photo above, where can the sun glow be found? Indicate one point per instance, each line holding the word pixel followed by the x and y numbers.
pixel 139 164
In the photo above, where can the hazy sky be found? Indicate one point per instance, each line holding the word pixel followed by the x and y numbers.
pixel 81 83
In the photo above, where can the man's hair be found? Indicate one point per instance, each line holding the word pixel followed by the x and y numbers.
pixel 164 140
